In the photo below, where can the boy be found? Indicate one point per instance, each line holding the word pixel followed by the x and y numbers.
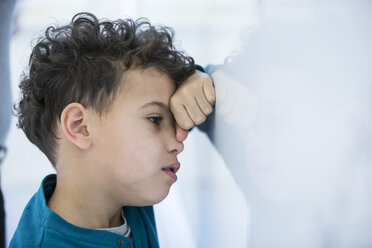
pixel 97 102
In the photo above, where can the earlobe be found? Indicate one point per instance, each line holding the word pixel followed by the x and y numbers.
pixel 74 125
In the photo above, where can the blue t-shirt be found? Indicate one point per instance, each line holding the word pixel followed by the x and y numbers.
pixel 39 226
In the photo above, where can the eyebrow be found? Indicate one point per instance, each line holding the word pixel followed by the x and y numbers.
pixel 161 105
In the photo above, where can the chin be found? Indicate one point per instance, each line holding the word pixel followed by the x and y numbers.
pixel 161 197
pixel 154 198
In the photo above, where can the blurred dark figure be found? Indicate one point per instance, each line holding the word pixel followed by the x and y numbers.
pixel 6 10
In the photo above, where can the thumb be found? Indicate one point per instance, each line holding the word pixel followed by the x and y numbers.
pixel 181 134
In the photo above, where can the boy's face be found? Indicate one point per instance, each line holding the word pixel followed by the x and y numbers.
pixel 136 140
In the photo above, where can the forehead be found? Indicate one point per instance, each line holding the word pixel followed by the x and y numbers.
pixel 147 84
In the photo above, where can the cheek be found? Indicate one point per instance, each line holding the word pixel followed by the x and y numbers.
pixel 138 151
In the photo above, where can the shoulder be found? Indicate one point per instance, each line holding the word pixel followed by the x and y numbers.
pixel 29 231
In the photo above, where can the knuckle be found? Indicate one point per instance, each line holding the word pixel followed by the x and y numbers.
pixel 173 109
pixel 185 123
pixel 200 119
pixel 188 125
pixel 184 91
pixel 173 99
pixel 208 110
pixel 213 97
pixel 207 80
pixel 172 103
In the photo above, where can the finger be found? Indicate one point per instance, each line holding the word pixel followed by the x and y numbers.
pixel 180 115
pixel 203 104
pixel 205 107
pixel 181 134
pixel 194 111
pixel 209 92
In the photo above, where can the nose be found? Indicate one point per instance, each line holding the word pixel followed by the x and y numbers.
pixel 176 140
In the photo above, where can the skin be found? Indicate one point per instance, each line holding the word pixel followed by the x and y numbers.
pixel 193 101
pixel 114 160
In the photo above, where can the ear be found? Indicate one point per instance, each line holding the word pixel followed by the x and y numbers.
pixel 74 125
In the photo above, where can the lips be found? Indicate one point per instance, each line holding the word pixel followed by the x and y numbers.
pixel 171 170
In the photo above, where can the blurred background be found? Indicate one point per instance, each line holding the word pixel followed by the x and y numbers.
pixel 286 161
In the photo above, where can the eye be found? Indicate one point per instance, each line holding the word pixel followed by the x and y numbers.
pixel 155 120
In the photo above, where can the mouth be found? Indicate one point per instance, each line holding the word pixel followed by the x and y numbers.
pixel 171 170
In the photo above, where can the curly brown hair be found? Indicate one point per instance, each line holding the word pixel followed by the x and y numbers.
pixel 83 62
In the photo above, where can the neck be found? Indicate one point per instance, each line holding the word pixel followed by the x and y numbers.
pixel 80 203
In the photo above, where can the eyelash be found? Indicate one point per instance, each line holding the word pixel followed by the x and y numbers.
pixel 155 120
